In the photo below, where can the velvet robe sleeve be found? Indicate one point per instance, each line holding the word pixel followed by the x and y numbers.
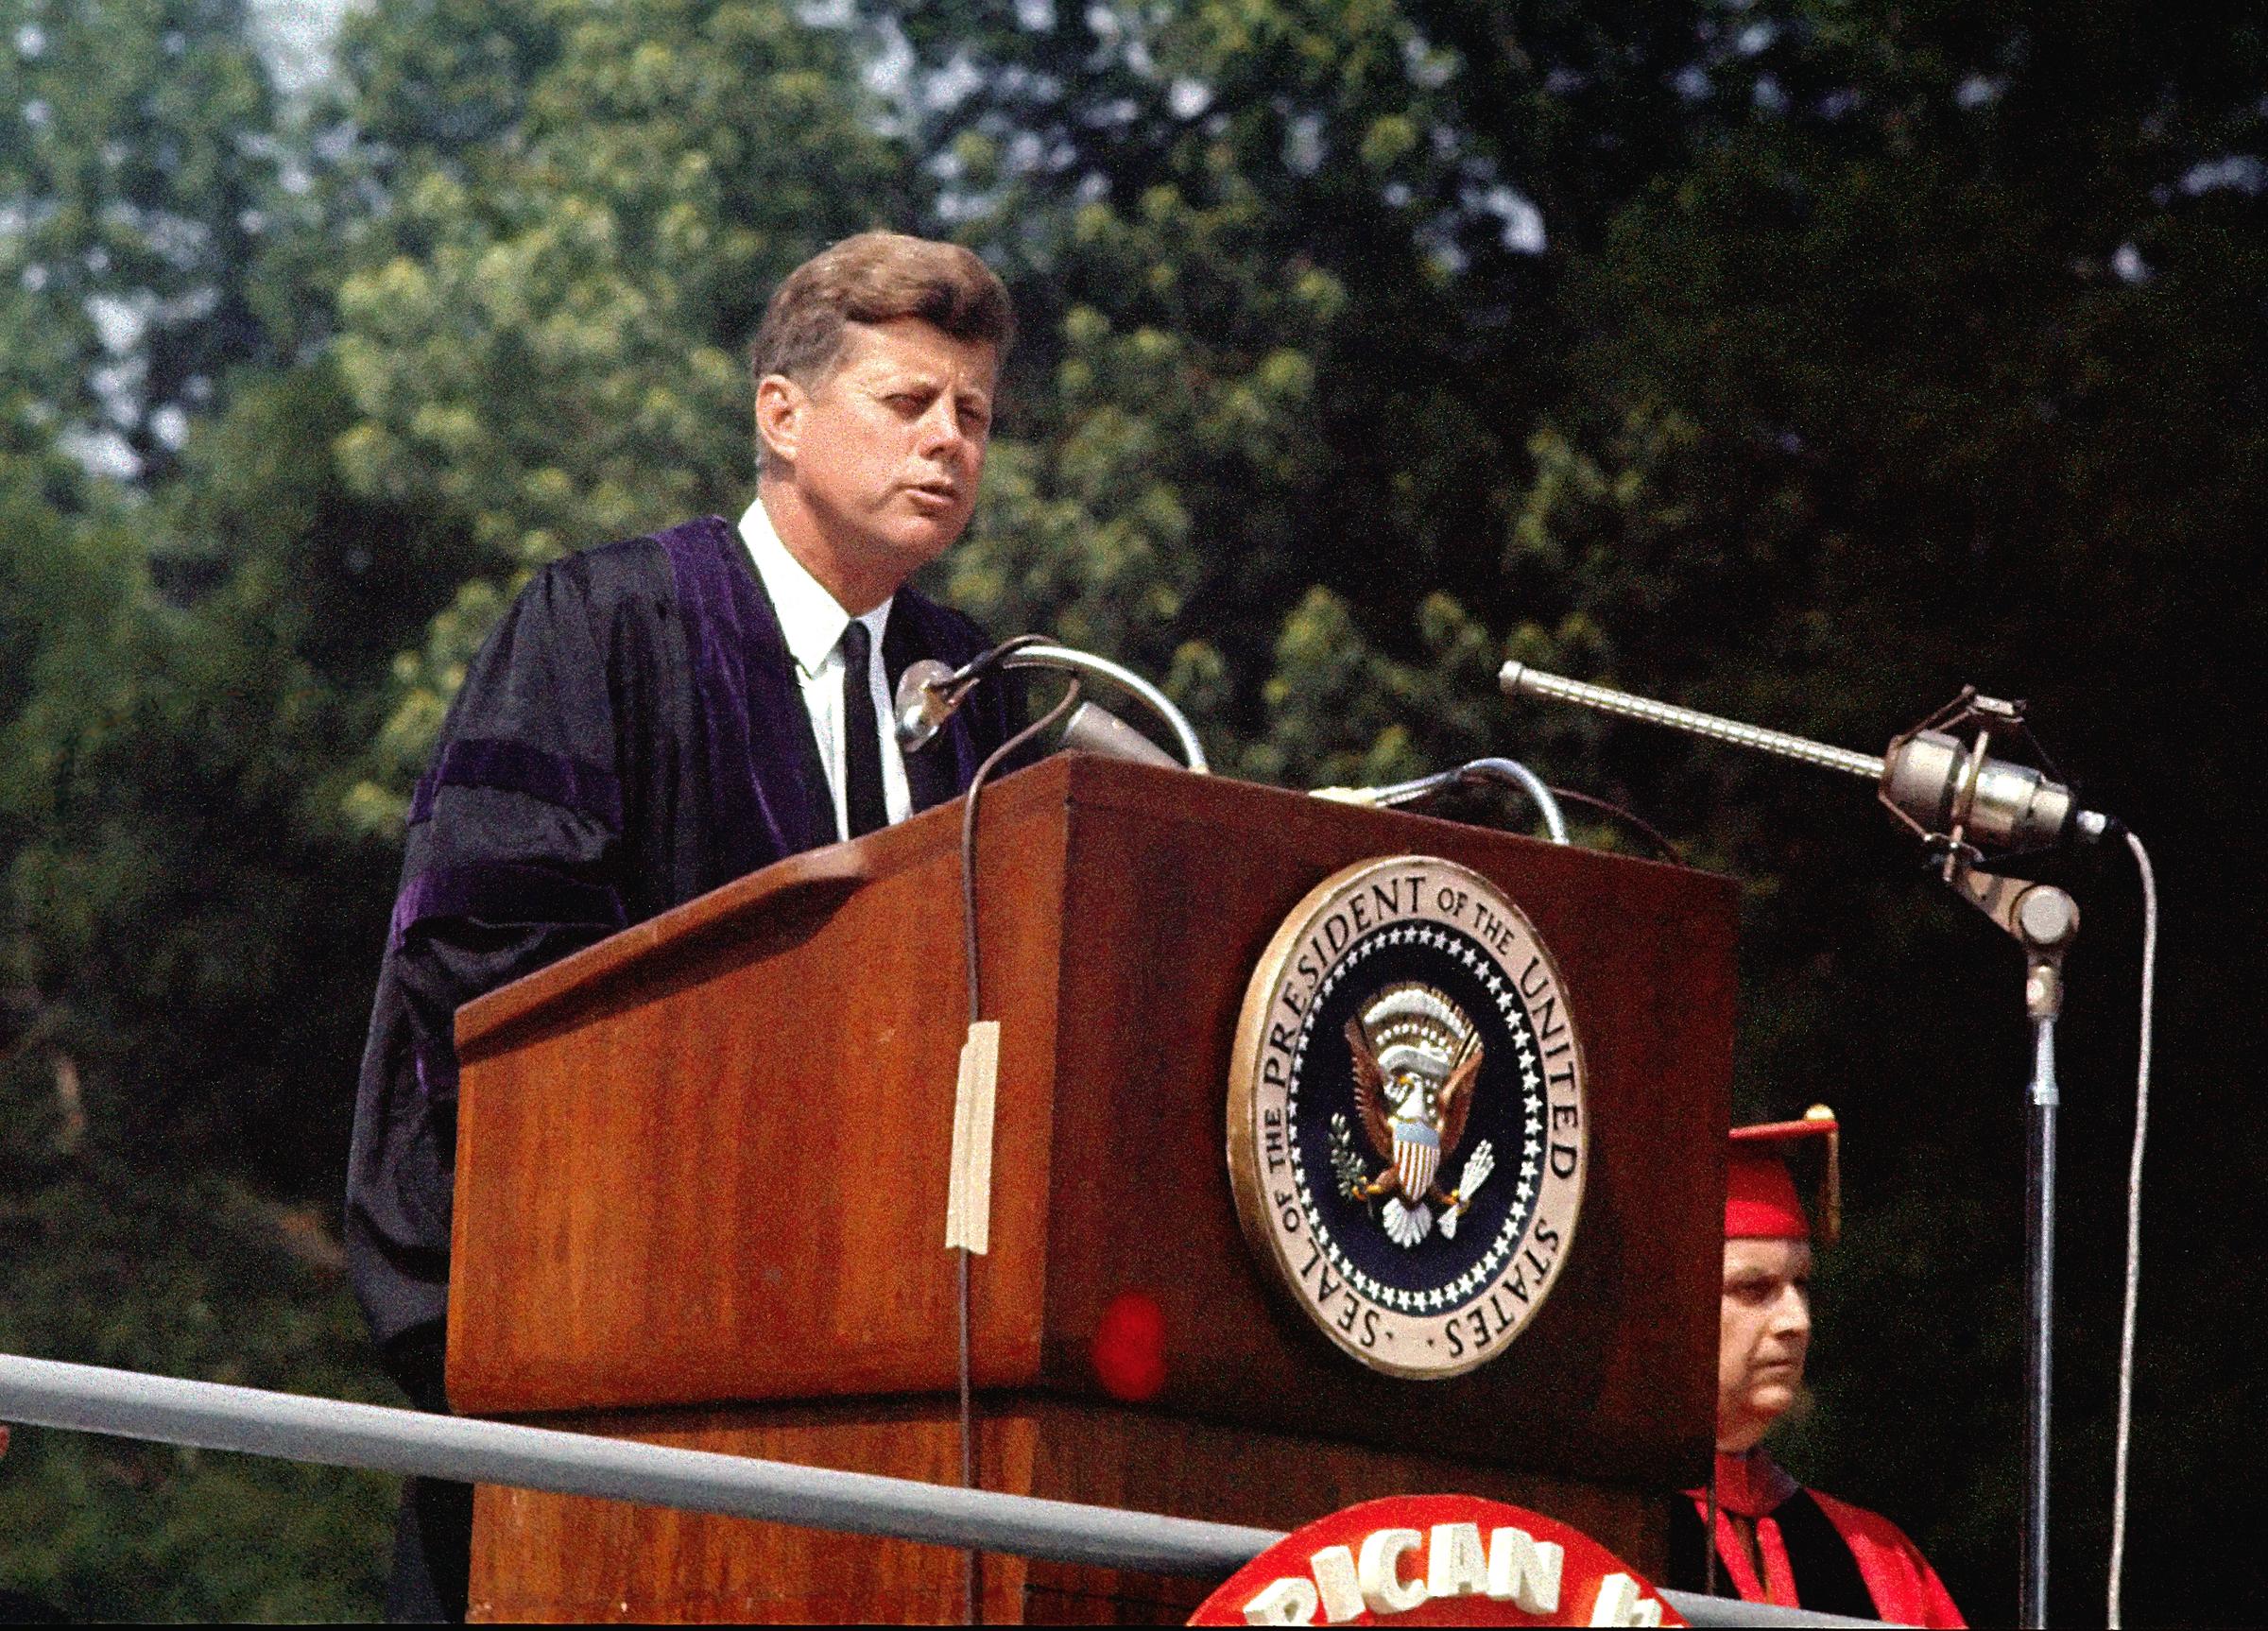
pixel 514 859
pixel 630 737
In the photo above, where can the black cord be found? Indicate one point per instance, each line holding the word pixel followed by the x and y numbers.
pixel 970 1557
pixel 976 787
pixel 985 662
pixel 1653 834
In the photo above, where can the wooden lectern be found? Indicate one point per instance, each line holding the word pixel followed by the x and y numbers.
pixel 701 1191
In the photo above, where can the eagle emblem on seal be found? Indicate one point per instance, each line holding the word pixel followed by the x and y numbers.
pixel 1416 1064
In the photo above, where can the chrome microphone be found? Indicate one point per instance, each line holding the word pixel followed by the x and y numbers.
pixel 1948 791
pixel 927 698
pixel 929 694
pixel 1942 785
pixel 1093 729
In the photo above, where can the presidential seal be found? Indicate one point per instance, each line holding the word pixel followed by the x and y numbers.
pixel 1406 1135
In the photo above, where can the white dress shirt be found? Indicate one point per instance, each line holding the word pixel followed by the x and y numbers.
pixel 813 623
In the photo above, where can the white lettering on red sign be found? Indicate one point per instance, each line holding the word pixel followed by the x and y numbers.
pixel 1394 1571
pixel 1621 1602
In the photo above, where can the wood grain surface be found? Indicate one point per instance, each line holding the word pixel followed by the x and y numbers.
pixel 549 1557
pixel 704 1164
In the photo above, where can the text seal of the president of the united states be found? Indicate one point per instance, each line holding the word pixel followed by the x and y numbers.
pixel 1406 1122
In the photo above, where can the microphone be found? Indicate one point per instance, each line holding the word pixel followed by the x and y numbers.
pixel 1958 796
pixel 929 694
pixel 1093 729
pixel 1950 793
pixel 926 698
pixel 1941 785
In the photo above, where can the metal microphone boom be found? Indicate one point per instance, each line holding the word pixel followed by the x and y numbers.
pixel 1951 794
pixel 1958 800
pixel 1518 679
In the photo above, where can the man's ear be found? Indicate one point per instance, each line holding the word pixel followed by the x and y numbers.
pixel 780 403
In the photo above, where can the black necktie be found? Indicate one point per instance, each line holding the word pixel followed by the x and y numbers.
pixel 862 741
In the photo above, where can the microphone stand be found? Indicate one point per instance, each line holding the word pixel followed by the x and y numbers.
pixel 2043 919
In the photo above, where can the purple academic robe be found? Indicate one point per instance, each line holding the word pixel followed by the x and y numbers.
pixel 630 737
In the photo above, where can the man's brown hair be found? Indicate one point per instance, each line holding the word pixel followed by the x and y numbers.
pixel 877 278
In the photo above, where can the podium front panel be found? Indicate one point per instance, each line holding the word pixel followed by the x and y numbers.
pixel 706 1161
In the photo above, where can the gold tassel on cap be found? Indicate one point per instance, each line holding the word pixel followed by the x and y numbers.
pixel 1831 1181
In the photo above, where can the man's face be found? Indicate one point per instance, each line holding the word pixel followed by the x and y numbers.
pixel 884 452
pixel 1765 1331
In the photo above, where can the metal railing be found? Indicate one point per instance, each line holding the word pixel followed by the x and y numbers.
pixel 334 1432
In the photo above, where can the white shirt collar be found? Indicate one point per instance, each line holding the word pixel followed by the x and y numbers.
pixel 811 619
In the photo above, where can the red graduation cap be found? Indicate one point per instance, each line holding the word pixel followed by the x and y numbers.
pixel 1761 1202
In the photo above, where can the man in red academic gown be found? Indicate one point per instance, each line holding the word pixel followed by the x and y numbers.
pixel 1776 1541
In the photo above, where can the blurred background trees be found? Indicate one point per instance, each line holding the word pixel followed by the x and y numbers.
pixel 1798 361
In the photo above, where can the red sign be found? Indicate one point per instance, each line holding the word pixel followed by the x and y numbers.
pixel 1435 1560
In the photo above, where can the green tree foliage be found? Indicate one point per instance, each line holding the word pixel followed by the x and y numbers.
pixel 136 187
pixel 187 664
pixel 1328 226
pixel 142 1266
pixel 184 964
pixel 195 659
pixel 545 345
pixel 1800 361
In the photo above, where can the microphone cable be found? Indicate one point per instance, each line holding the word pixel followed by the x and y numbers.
pixel 972 1602
pixel 1666 846
pixel 2133 1232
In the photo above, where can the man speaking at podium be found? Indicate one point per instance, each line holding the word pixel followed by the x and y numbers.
pixel 654 718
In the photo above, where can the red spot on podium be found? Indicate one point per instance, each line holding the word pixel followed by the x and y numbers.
pixel 1129 1347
